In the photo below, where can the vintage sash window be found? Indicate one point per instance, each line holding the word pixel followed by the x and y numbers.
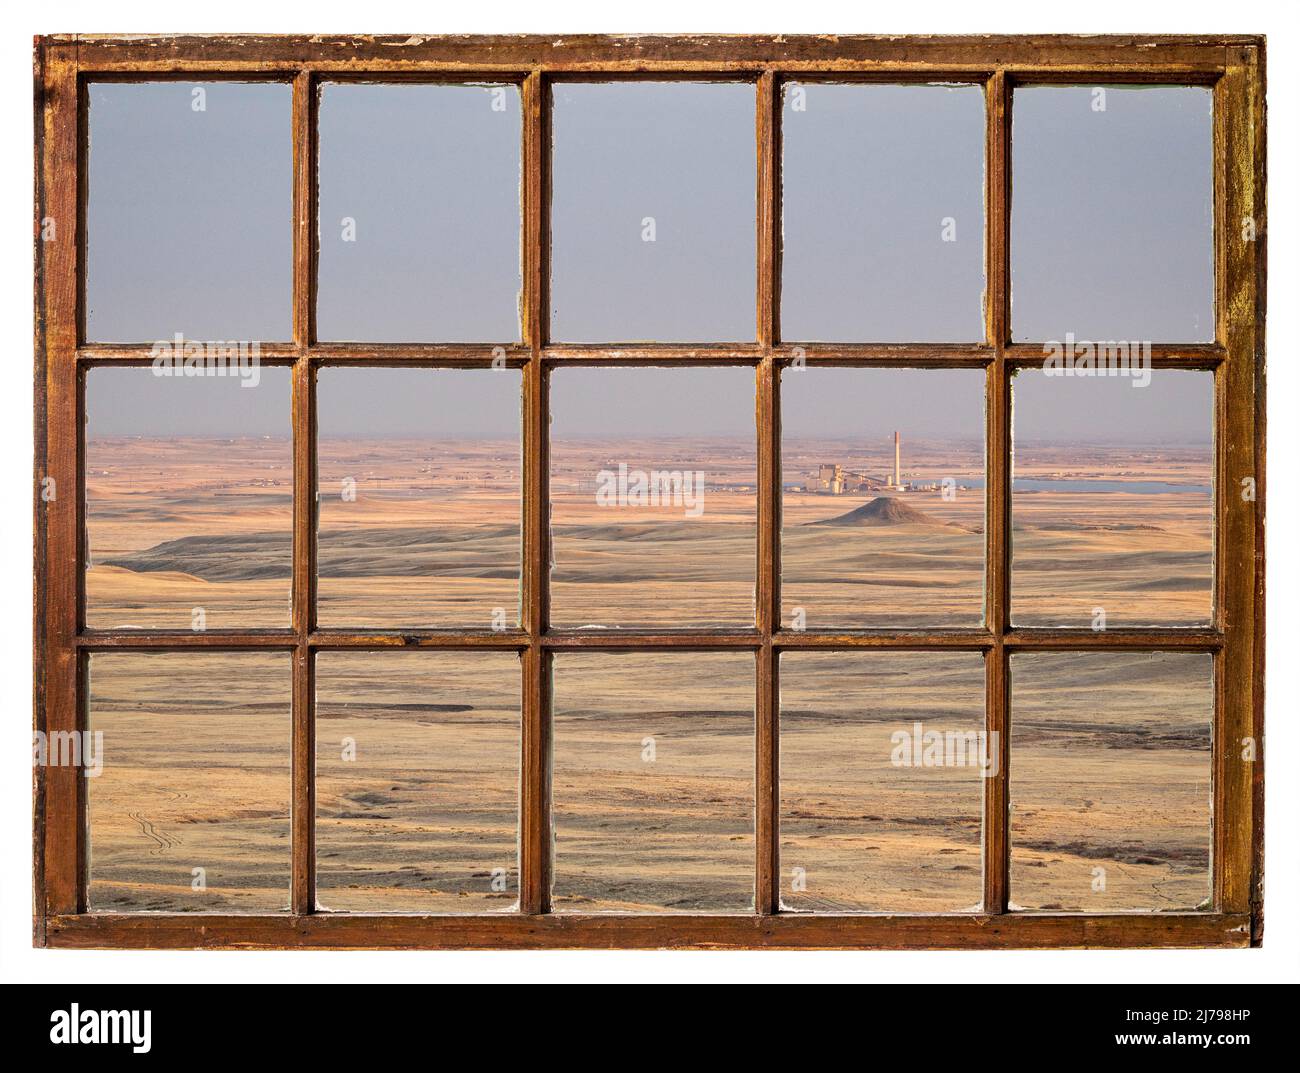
pixel 649 492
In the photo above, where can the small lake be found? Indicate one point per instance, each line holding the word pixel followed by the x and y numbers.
pixel 1048 484
pixel 1144 488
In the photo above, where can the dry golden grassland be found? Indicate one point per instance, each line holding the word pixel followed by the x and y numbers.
pixel 654 753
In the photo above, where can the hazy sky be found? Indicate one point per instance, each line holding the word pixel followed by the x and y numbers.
pixel 843 402
pixel 682 154
pixel 1176 407
pixel 430 175
pixel 135 402
pixel 190 219
pixel 637 402
pixel 479 403
pixel 190 213
pixel 1112 214
pixel 871 177
pixel 485 403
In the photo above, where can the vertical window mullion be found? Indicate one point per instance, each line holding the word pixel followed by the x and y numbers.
pixel 303 807
pixel 766 713
pixel 998 466
pixel 535 791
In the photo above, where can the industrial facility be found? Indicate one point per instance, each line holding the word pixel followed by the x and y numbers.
pixel 833 479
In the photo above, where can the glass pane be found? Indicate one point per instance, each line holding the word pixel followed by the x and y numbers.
pixel 419 510
pixel 419 213
pixel 882 193
pixel 1112 500
pixel 882 502
pixel 1110 781
pixel 189 220
pixel 189 498
pixel 654 790
pixel 1112 214
pixel 883 760
pixel 189 811
pixel 653 212
pixel 653 502
pixel 417 781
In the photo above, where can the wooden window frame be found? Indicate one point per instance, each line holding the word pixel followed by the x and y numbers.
pixel 1233 66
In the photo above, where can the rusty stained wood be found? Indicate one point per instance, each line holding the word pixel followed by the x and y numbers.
pixel 60 802
pixel 516 356
pixel 569 931
pixel 1128 54
pixel 767 618
pixel 1233 65
pixel 535 828
pixel 1239 549
pixel 997 503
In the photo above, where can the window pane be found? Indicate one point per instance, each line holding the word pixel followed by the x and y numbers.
pixel 190 810
pixel 417 781
pixel 654 790
pixel 420 473
pixel 189 499
pixel 653 212
pixel 1112 500
pixel 883 760
pixel 419 213
pixel 190 215
pixel 882 525
pixel 653 501
pixel 1110 781
pixel 882 213
pixel 1112 213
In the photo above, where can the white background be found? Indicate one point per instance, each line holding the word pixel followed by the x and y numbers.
pixel 1279 960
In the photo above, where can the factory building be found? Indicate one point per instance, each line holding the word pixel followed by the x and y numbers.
pixel 833 479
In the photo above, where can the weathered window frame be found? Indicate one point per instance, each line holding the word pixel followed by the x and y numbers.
pixel 1232 66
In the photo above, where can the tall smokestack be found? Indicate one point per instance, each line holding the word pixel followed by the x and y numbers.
pixel 898 478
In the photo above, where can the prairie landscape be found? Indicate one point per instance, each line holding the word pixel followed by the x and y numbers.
pixel 417 765
pixel 883 558
pixel 411 536
pixel 188 522
pixel 653 782
pixel 1123 528
pixel 1110 765
pixel 417 781
pixel 1110 781
pixel 195 775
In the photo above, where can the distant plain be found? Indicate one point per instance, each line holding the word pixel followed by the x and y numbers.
pixel 1110 758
